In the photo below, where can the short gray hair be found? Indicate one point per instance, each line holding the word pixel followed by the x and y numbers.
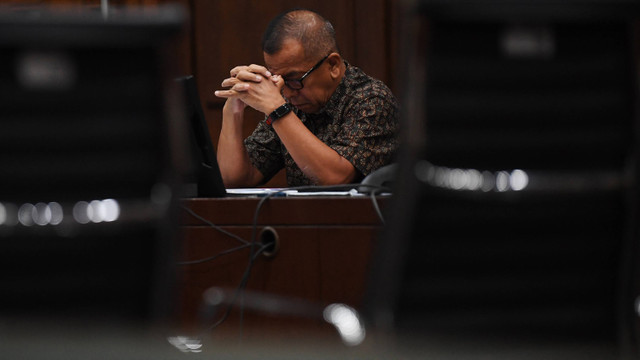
pixel 315 33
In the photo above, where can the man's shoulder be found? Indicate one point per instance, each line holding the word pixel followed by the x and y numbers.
pixel 361 84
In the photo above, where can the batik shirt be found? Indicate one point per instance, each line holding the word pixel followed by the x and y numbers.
pixel 359 122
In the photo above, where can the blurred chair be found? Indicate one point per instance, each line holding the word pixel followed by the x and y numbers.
pixel 512 233
pixel 90 142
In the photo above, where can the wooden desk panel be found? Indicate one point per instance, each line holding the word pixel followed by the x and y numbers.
pixel 325 244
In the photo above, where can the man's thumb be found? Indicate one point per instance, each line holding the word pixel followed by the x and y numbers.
pixel 278 80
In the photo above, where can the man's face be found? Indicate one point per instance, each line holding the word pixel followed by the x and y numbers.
pixel 290 63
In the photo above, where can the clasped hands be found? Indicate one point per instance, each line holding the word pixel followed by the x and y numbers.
pixel 255 86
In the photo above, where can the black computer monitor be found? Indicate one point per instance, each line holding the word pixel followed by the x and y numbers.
pixel 203 179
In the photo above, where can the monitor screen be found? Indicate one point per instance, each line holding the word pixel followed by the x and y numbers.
pixel 203 179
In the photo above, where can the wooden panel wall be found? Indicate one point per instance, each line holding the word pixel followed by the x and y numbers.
pixel 221 34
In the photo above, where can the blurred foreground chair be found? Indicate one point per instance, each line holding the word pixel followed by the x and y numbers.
pixel 513 229
pixel 90 142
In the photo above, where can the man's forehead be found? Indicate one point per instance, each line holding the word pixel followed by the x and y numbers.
pixel 288 60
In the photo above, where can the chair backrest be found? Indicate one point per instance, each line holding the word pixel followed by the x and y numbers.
pixel 87 165
pixel 513 213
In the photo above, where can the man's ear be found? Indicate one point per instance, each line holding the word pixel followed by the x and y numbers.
pixel 335 62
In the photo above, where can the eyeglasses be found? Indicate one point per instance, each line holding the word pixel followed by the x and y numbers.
pixel 296 84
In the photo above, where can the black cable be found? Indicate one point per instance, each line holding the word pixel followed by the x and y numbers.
pixel 216 227
pixel 211 258
pixel 239 289
pixel 252 257
pixel 376 206
pixel 375 190
pixel 245 277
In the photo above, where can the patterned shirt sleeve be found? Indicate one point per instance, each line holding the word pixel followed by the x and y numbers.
pixel 368 137
pixel 265 150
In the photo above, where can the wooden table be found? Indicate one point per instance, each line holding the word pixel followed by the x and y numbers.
pixel 322 257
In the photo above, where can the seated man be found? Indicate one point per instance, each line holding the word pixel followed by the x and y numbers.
pixel 327 122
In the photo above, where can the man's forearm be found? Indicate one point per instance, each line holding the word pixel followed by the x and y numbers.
pixel 233 159
pixel 316 159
